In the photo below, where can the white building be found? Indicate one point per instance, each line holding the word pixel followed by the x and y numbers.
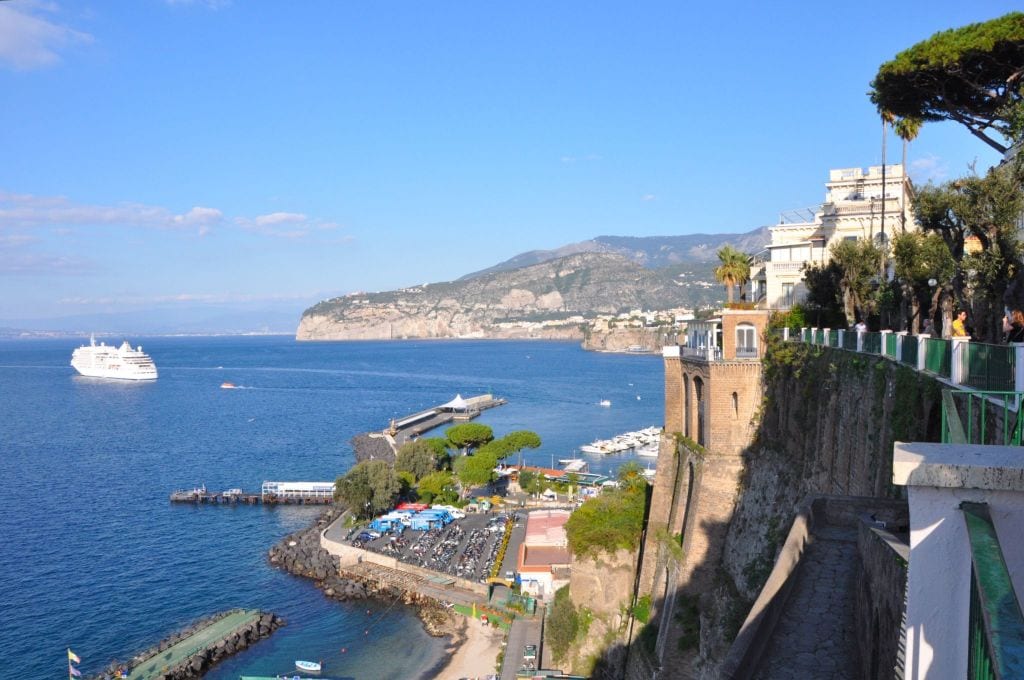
pixel 857 205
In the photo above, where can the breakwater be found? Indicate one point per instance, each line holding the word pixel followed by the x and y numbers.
pixel 301 554
pixel 192 651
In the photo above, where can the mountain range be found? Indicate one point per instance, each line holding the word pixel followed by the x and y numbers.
pixel 541 293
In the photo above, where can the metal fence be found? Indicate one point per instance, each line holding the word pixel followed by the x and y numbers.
pixel 908 350
pixel 995 623
pixel 973 365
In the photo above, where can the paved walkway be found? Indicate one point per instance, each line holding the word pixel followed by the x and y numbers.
pixel 815 636
pixel 154 666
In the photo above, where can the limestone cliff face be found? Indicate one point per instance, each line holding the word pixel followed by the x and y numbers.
pixel 603 585
pixel 646 340
pixel 547 300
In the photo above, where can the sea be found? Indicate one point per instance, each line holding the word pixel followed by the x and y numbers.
pixel 94 558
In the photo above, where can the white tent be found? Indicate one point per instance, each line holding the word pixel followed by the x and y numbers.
pixel 456 404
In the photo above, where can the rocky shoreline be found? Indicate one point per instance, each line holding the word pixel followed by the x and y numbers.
pixel 300 554
pixel 197 664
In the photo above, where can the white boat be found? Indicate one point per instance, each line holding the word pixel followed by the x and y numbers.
pixel 604 402
pixel 648 450
pixel 308 666
pixel 121 363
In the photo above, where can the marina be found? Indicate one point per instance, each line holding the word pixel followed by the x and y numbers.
pixel 642 442
pixel 271 493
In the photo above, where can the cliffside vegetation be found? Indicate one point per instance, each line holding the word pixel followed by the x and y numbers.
pixel 612 520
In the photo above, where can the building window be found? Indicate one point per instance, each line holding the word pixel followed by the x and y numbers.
pixel 787 295
pixel 735 405
pixel 746 341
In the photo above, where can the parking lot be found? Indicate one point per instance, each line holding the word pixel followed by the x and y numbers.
pixel 467 548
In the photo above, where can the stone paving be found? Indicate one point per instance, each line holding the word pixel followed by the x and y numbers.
pixel 814 637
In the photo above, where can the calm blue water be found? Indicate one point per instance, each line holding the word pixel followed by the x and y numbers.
pixel 95 558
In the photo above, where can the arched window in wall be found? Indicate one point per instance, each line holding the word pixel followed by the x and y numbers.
pixel 698 393
pixel 746 341
pixel 735 405
pixel 686 405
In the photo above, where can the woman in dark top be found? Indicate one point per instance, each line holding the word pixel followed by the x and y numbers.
pixel 1013 324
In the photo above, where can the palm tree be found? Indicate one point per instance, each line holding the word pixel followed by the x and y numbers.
pixel 734 270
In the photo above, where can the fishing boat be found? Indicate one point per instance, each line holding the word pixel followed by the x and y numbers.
pixel 604 402
pixel 308 666
pixel 228 386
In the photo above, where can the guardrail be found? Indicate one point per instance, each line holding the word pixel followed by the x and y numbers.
pixel 995 624
pixel 959 362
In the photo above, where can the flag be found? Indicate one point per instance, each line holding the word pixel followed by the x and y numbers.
pixel 74 671
pixel 73 657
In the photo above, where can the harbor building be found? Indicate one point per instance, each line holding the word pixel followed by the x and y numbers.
pixel 873 204
pixel 544 558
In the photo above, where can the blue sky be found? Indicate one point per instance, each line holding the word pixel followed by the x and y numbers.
pixel 158 154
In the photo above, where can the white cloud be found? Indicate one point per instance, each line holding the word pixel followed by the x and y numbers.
pixel 26 263
pixel 928 169
pixel 29 40
pixel 187 298
pixel 200 217
pixel 279 218
pixel 26 210
pixel 648 197
pixel 60 216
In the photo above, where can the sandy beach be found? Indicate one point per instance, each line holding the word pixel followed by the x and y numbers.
pixel 476 648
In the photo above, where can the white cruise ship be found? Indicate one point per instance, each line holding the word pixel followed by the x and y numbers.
pixel 122 363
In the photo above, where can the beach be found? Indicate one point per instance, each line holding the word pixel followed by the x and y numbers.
pixel 476 648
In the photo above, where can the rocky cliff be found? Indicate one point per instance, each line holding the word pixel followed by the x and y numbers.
pixel 827 426
pixel 645 340
pixel 546 300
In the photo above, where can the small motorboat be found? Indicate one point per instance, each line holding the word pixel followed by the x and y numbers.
pixel 308 666
pixel 604 402
pixel 228 386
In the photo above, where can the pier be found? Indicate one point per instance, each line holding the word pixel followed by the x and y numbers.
pixel 456 410
pixel 272 493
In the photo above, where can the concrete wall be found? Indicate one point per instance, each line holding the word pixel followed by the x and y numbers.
pixel 939 478
pixel 880 606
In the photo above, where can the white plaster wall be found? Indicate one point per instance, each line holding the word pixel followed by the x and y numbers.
pixel 939 574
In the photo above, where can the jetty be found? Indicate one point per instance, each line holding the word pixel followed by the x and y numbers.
pixel 271 493
pixel 458 409
pixel 384 444
pixel 190 653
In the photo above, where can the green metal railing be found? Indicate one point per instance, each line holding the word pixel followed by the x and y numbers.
pixel 981 412
pixel 850 340
pixel 872 343
pixel 988 367
pixel 820 337
pixel 833 338
pixel 938 357
pixel 890 345
pixel 908 350
pixel 805 335
pixel 995 623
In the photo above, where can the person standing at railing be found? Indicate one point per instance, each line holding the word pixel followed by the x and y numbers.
pixel 960 325
pixel 861 327
pixel 1013 326
pixel 929 328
